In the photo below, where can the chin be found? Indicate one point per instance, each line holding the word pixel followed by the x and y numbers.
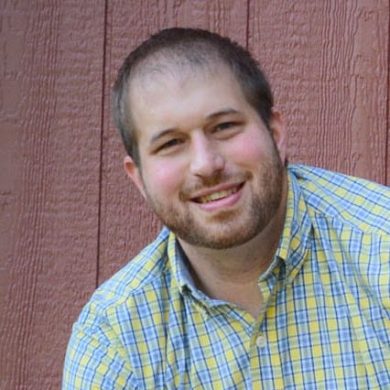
pixel 218 237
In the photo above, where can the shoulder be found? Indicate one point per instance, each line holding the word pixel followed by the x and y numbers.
pixel 145 273
pixel 102 349
pixel 359 203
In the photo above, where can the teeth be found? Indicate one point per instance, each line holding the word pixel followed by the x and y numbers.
pixel 217 195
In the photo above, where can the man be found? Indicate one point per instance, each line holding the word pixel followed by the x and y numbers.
pixel 267 275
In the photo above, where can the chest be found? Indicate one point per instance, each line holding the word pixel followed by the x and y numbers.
pixel 326 327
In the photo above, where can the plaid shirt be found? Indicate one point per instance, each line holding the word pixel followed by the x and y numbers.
pixel 325 324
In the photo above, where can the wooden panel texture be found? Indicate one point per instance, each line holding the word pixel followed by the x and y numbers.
pixel 50 110
pixel 69 216
pixel 328 62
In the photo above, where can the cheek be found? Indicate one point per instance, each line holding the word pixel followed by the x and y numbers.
pixel 250 150
pixel 163 178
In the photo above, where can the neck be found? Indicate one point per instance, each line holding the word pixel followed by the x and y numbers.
pixel 232 274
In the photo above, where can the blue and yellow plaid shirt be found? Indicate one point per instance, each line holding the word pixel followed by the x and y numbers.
pixel 325 325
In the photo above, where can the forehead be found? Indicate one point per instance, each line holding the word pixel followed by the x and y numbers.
pixel 169 94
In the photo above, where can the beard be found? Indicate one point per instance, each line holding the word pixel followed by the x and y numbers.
pixel 228 228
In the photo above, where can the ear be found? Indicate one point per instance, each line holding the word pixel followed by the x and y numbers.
pixel 279 134
pixel 133 171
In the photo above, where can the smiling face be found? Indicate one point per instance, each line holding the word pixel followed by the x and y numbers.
pixel 210 168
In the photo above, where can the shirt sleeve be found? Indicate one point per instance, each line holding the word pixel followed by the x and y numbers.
pixel 96 360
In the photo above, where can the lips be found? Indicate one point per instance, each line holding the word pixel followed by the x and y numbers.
pixel 217 194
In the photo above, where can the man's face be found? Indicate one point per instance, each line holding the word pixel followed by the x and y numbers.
pixel 210 168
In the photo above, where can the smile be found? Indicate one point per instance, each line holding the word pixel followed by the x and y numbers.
pixel 217 195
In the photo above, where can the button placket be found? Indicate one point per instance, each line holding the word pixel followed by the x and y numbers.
pixel 261 341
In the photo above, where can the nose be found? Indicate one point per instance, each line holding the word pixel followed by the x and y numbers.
pixel 206 160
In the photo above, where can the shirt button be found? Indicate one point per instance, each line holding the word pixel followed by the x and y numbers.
pixel 261 342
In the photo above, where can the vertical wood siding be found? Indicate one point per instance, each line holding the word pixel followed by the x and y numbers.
pixel 50 115
pixel 69 218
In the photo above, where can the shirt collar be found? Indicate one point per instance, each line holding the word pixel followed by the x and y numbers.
pixel 292 248
pixel 294 241
pixel 178 261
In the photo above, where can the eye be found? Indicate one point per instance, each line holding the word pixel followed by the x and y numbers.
pixel 225 126
pixel 168 145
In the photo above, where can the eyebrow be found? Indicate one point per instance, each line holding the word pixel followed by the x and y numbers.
pixel 227 111
pixel 214 115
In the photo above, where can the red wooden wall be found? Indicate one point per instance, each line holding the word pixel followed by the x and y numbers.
pixel 68 216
